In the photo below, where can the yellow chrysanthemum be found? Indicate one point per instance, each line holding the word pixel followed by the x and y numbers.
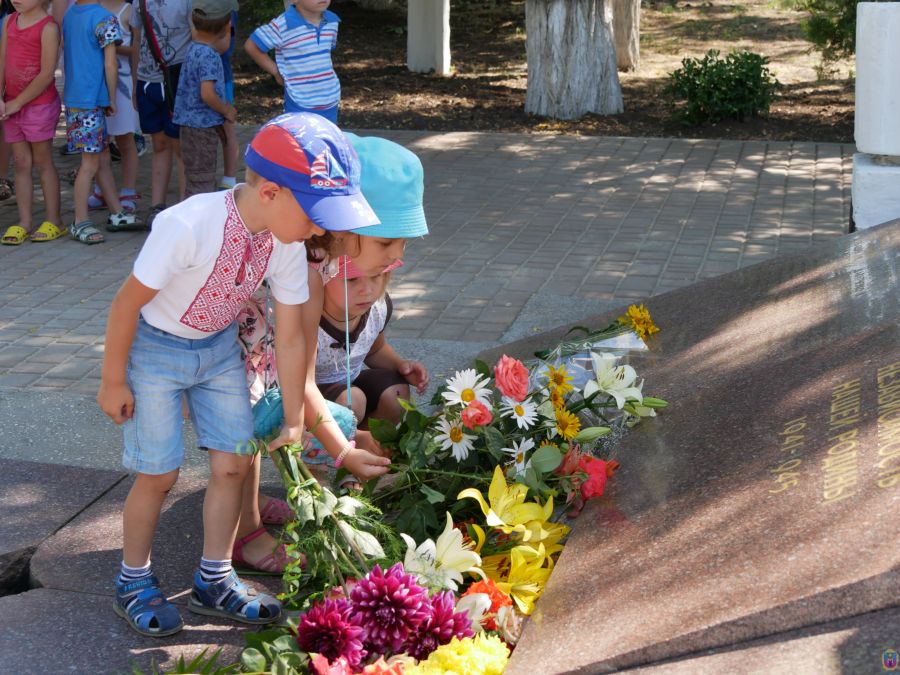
pixel 559 379
pixel 481 655
pixel 638 318
pixel 557 399
pixel 567 424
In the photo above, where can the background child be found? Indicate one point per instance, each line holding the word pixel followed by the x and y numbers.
pixel 200 108
pixel 90 36
pixel 6 187
pixel 171 312
pixel 169 22
pixel 123 124
pixel 230 145
pixel 303 38
pixel 375 390
pixel 30 110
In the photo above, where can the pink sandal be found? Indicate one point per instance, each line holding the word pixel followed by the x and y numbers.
pixel 273 563
pixel 276 512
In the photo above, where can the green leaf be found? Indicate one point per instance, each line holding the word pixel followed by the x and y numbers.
pixel 252 660
pixel 366 542
pixel 494 440
pixel 433 496
pixel 546 459
pixel 590 434
pixel 348 506
pixel 483 369
pixel 383 431
pixel 285 643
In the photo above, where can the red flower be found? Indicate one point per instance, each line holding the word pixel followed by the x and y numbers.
pixel 498 599
pixel 511 377
pixel 322 666
pixel 476 414
pixel 596 480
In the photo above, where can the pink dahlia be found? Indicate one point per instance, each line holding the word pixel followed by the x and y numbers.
pixel 329 629
pixel 444 624
pixel 391 605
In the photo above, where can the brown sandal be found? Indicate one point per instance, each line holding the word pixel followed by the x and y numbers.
pixel 271 564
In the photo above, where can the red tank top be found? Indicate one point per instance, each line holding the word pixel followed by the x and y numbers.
pixel 23 59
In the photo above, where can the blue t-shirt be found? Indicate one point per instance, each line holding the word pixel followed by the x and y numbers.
pixel 87 30
pixel 201 63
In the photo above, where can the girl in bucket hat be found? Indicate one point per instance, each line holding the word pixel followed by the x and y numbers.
pixel 392 182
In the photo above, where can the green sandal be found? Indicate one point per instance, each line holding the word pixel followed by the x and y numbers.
pixel 86 233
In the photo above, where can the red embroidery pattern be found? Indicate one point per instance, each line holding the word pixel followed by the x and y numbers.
pixel 238 271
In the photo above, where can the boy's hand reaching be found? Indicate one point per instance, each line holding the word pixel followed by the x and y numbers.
pixel 288 436
pixel 110 110
pixel 416 374
pixel 230 113
pixel 116 401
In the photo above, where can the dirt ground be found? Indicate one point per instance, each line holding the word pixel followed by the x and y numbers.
pixel 487 88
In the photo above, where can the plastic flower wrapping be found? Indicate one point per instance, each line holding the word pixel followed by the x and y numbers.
pixel 437 569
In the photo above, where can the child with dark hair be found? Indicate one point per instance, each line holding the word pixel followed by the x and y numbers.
pixel 200 107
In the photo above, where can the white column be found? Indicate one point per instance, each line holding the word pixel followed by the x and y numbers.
pixel 428 36
pixel 876 165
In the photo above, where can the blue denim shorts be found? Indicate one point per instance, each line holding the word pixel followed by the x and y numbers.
pixel 164 368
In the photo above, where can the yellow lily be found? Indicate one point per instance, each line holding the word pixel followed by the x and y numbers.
pixel 508 510
pixel 527 576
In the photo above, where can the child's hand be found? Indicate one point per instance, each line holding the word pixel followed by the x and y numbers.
pixel 2 108
pixel 230 113
pixel 288 436
pixel 11 108
pixel 110 110
pixel 279 79
pixel 366 441
pixel 116 401
pixel 365 465
pixel 416 374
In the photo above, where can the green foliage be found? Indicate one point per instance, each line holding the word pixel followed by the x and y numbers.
pixel 831 26
pixel 260 11
pixel 274 652
pixel 200 664
pixel 712 89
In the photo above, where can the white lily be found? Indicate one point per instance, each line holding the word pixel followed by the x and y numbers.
pixel 637 411
pixel 617 381
pixel 441 564
pixel 475 606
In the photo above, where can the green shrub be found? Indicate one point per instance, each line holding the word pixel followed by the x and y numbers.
pixel 712 89
pixel 831 26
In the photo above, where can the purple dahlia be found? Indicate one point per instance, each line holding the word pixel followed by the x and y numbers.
pixel 328 629
pixel 444 624
pixel 390 606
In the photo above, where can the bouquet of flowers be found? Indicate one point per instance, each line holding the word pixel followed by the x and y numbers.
pixel 479 488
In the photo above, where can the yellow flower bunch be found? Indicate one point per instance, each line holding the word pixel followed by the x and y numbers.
pixel 559 380
pixel 482 655
pixel 638 318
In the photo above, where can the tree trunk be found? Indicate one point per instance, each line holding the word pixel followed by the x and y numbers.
pixel 627 33
pixel 571 59
pixel 375 4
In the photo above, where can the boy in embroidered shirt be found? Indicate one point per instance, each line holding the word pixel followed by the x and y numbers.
pixel 200 108
pixel 90 36
pixel 172 333
pixel 303 39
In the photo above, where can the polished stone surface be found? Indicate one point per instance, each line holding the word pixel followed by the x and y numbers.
pixel 36 499
pixel 767 497
pixel 854 645
pixel 49 631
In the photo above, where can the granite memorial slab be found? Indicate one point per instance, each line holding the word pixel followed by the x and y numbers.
pixel 766 498
pixel 49 631
pixel 36 499
pixel 85 555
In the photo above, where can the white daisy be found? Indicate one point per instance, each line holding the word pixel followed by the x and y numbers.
pixel 523 412
pixel 465 387
pixel 453 438
pixel 518 452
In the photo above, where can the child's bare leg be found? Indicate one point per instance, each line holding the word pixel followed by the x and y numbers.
pixel 129 161
pixel 230 151
pixel 388 407
pixel 84 181
pixel 141 515
pixel 358 399
pixel 222 506
pixel 24 191
pixel 161 167
pixel 263 545
pixel 179 167
pixel 42 153
pixel 107 183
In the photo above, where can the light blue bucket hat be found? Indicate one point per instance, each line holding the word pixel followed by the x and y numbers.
pixel 393 182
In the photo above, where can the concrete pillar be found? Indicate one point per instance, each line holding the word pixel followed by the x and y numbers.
pixel 428 36
pixel 876 165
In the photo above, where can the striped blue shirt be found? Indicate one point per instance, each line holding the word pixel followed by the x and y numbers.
pixel 303 57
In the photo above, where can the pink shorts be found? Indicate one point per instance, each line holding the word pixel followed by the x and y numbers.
pixel 33 123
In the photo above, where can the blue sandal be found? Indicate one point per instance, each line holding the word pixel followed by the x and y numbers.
pixel 241 603
pixel 151 614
